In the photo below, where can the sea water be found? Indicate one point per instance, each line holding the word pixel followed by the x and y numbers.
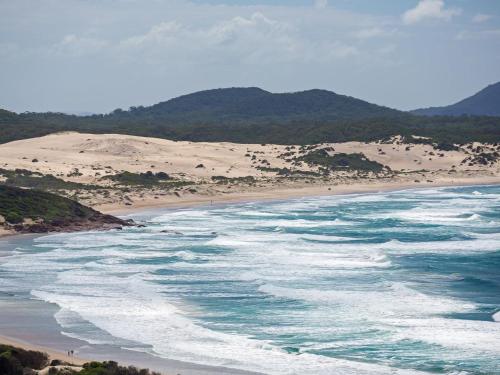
pixel 395 282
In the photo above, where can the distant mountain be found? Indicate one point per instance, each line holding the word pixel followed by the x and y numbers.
pixel 254 104
pixel 485 103
pixel 253 115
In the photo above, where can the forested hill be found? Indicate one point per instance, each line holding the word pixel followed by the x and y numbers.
pixel 252 115
pixel 485 103
pixel 240 105
pixel 36 211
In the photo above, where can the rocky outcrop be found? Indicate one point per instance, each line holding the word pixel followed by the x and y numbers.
pixel 33 211
pixel 99 222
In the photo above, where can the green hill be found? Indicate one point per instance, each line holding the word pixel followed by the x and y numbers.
pixel 485 103
pixel 239 105
pixel 252 115
pixel 49 212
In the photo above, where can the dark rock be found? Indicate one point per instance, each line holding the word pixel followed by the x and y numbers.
pixel 171 232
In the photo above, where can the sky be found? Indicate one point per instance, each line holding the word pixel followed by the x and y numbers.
pixel 81 56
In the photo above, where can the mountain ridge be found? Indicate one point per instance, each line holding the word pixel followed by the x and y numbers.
pixel 240 103
pixel 485 102
pixel 253 115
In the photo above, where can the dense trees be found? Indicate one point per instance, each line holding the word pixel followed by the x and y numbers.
pixel 256 116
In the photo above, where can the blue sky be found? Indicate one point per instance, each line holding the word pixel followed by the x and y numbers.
pixel 98 55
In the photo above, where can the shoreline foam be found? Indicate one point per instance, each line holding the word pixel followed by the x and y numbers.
pixel 285 194
pixel 218 371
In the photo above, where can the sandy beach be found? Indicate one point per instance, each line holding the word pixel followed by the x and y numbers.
pixel 30 324
pixel 257 187
pixel 20 323
pixel 291 193
pixel 87 159
pixel 204 173
pixel 167 367
pixel 53 354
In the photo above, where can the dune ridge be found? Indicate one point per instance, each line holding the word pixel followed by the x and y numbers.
pixel 203 172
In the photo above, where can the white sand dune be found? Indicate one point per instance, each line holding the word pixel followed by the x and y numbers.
pixel 94 156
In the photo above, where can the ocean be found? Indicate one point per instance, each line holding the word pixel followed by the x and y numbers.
pixel 400 282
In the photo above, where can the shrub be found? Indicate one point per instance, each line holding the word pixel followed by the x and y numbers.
pixel 141 179
pixel 16 361
pixel 227 180
pixel 341 161
pixel 13 217
pixel 446 147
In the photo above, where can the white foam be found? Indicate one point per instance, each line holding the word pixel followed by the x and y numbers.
pixel 326 238
pixel 496 316
pixel 344 288
pixel 259 214
pixel 396 300
pixel 449 216
pixel 141 316
pixel 442 247
pixel 467 335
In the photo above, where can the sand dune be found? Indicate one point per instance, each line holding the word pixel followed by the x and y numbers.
pixel 86 158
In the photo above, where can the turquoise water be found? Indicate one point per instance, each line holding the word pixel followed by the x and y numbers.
pixel 401 282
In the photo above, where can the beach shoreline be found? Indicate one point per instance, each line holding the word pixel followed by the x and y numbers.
pixel 272 195
pixel 291 193
pixel 39 331
pixel 30 324
pixel 52 353
pixel 126 358
pixel 143 359
pixel 200 173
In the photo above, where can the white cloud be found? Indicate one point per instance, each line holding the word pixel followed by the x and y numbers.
pixel 429 9
pixel 320 4
pixel 372 32
pixel 165 48
pixel 480 18
pixel 78 46
pixel 162 33
pixel 256 39
pixel 256 26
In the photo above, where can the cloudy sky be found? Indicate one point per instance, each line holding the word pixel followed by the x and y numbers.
pixel 98 55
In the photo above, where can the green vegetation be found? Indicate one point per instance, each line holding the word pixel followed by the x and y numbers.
pixel 446 147
pixel 16 361
pixel 289 172
pixel 237 105
pixel 233 180
pixel 16 204
pixel 49 211
pixel 149 180
pixel 256 116
pixel 36 180
pixel 108 368
pixel 484 158
pixel 139 179
pixel 485 102
pixel 339 162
